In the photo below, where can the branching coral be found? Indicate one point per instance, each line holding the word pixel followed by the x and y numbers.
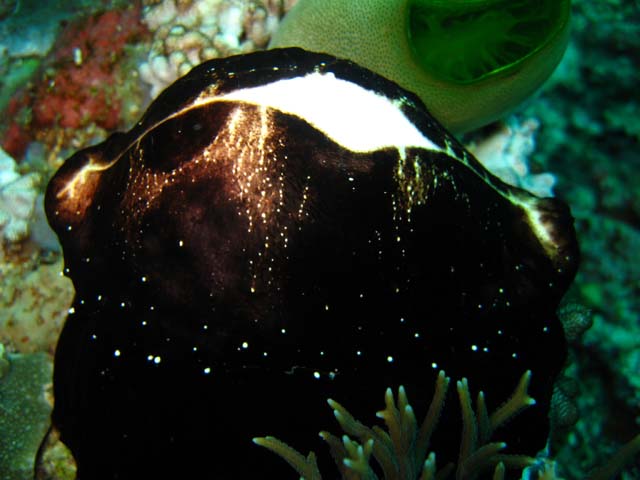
pixel 402 451
pixel 34 300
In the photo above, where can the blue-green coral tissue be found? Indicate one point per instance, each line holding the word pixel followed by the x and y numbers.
pixel 470 61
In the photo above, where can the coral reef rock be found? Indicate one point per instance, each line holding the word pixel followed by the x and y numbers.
pixel 186 33
pixel 24 411
pixel 505 153
pixel 18 195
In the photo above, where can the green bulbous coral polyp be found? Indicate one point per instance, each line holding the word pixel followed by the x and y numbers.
pixel 470 61
pixel 468 41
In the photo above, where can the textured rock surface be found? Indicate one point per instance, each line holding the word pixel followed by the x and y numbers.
pixel 186 33
pixel 24 411
pixel 34 299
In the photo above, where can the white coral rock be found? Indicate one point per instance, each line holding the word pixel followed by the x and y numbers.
pixel 17 200
pixel 506 153
pixel 188 32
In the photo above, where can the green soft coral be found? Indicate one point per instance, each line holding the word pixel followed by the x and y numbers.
pixel 470 61
pixel 403 451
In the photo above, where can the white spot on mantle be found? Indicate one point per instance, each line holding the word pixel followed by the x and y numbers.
pixel 352 116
